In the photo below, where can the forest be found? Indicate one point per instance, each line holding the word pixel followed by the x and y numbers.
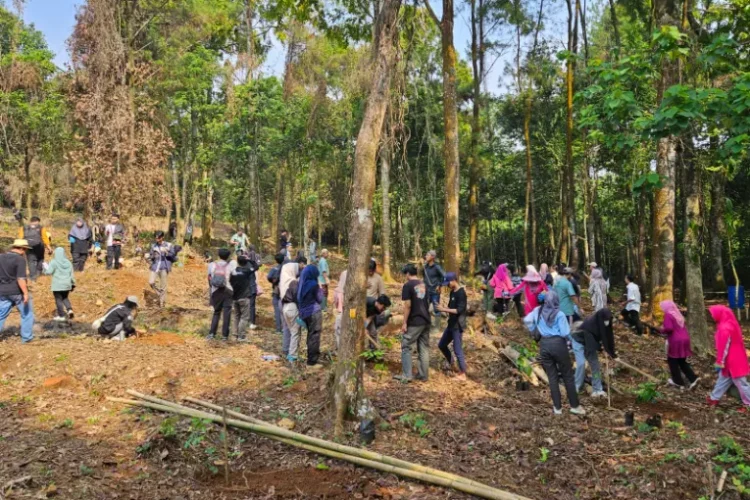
pixel 491 131
pixel 620 138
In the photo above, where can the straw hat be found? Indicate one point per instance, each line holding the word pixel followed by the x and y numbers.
pixel 21 243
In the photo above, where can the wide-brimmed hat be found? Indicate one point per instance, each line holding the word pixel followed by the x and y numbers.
pixel 21 243
pixel 132 299
pixel 532 275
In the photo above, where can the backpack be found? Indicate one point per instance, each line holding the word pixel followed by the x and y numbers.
pixel 33 235
pixel 219 276
pixel 273 275
pixel 119 233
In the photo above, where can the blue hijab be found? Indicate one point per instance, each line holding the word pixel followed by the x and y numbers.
pixel 308 285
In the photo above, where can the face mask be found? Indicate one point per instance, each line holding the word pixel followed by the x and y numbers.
pixel 606 323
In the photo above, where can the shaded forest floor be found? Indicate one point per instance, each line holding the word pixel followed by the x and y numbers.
pixel 60 437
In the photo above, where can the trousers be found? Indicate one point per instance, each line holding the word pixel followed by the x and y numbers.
pixel 553 352
pixel 454 335
pixel 419 335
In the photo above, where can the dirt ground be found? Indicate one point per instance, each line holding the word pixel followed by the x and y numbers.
pixel 60 437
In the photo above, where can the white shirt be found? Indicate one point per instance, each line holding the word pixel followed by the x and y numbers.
pixel 634 298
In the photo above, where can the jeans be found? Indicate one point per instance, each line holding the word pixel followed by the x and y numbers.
pixel 241 317
pixel 113 256
pixel 580 374
pixel 434 300
pixel 678 366
pixel 553 352
pixel 35 258
pixel 324 304
pixel 62 303
pixel 221 300
pixel 421 336
pixel 277 313
pixel 158 281
pixel 724 383
pixel 455 335
pixel 314 325
pixel 27 314
pixel 290 341
pixel 79 261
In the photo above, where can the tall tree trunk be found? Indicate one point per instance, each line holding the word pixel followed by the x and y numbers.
pixel 347 392
pixel 615 24
pixel 252 181
pixel 662 256
pixel 177 201
pixel 696 319
pixel 27 159
pixel 716 224
pixel 386 156
pixel 568 184
pixel 208 210
pixel 476 133
pixel 452 252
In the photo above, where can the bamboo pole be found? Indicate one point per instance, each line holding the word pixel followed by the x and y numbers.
pixel 637 370
pixel 288 437
pixel 359 452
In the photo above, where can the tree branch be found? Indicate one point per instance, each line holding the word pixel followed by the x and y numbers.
pixel 432 13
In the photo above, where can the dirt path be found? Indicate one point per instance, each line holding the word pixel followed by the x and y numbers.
pixel 60 437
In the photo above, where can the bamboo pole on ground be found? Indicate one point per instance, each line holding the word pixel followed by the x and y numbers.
pixel 369 455
pixel 637 370
pixel 288 437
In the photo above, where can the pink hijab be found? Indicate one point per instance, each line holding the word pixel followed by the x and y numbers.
pixel 501 273
pixel 671 309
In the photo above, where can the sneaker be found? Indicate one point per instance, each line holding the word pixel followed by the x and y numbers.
pixel 744 409
pixel 225 339
pixel 557 411
pixel 279 332
pixel 253 327
pixel 211 337
pixel 598 394
pixel 578 410
pixel 316 367
pixel 420 378
pixel 291 359
pixel 711 402
pixel 675 385
pixel 461 377
pixel 242 339
pixel 71 315
pixel 402 378
pixel 491 317
pixel 59 318
pixel 694 384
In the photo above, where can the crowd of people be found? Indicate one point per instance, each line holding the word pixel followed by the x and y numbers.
pixel 548 300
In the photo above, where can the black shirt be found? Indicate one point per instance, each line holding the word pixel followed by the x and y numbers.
pixel 116 315
pixel 416 291
pixel 243 282
pixel 457 301
pixel 12 268
pixel 433 276
pixel 371 309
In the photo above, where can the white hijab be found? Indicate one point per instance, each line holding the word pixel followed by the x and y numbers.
pixel 289 273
